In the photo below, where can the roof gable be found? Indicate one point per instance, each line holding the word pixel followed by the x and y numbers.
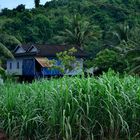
pixel 19 50
pixel 33 49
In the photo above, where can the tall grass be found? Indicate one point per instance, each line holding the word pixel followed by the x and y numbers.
pixel 76 108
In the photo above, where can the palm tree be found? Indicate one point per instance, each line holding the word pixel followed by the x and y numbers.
pixel 1 70
pixel 134 60
pixel 7 42
pixel 118 35
pixel 126 42
pixel 122 32
pixel 37 2
pixel 79 33
pixel 134 52
pixel 135 67
pixel 4 53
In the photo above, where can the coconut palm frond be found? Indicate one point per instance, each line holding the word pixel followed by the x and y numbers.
pixel 79 32
pixel 133 52
pixel 4 51
pixel 136 70
pixel 2 71
pixel 137 59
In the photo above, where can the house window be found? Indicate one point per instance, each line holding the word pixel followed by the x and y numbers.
pixel 10 65
pixel 17 65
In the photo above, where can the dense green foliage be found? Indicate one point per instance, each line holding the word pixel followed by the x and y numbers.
pixel 27 25
pixel 72 108
pixel 93 25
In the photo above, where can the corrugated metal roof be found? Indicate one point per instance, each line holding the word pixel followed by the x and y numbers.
pixel 44 62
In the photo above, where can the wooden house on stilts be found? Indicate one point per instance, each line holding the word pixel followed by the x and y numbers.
pixel 33 61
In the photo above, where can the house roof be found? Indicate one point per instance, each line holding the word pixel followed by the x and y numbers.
pixel 46 50
pixel 44 62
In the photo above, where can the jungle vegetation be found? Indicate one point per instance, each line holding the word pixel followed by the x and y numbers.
pixel 107 30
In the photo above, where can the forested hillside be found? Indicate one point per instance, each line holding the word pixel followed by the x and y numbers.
pixel 106 29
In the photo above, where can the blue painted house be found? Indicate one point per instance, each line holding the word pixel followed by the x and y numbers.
pixel 32 60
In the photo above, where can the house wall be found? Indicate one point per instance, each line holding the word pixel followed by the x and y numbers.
pixel 12 66
pixel 77 67
pixel 28 68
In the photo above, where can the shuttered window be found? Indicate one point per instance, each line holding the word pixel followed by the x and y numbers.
pixel 10 65
pixel 17 65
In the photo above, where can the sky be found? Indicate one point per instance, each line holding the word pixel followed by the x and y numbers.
pixel 14 3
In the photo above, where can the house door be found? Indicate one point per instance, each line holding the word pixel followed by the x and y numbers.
pixel 28 67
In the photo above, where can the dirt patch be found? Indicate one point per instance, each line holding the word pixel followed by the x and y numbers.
pixel 3 135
